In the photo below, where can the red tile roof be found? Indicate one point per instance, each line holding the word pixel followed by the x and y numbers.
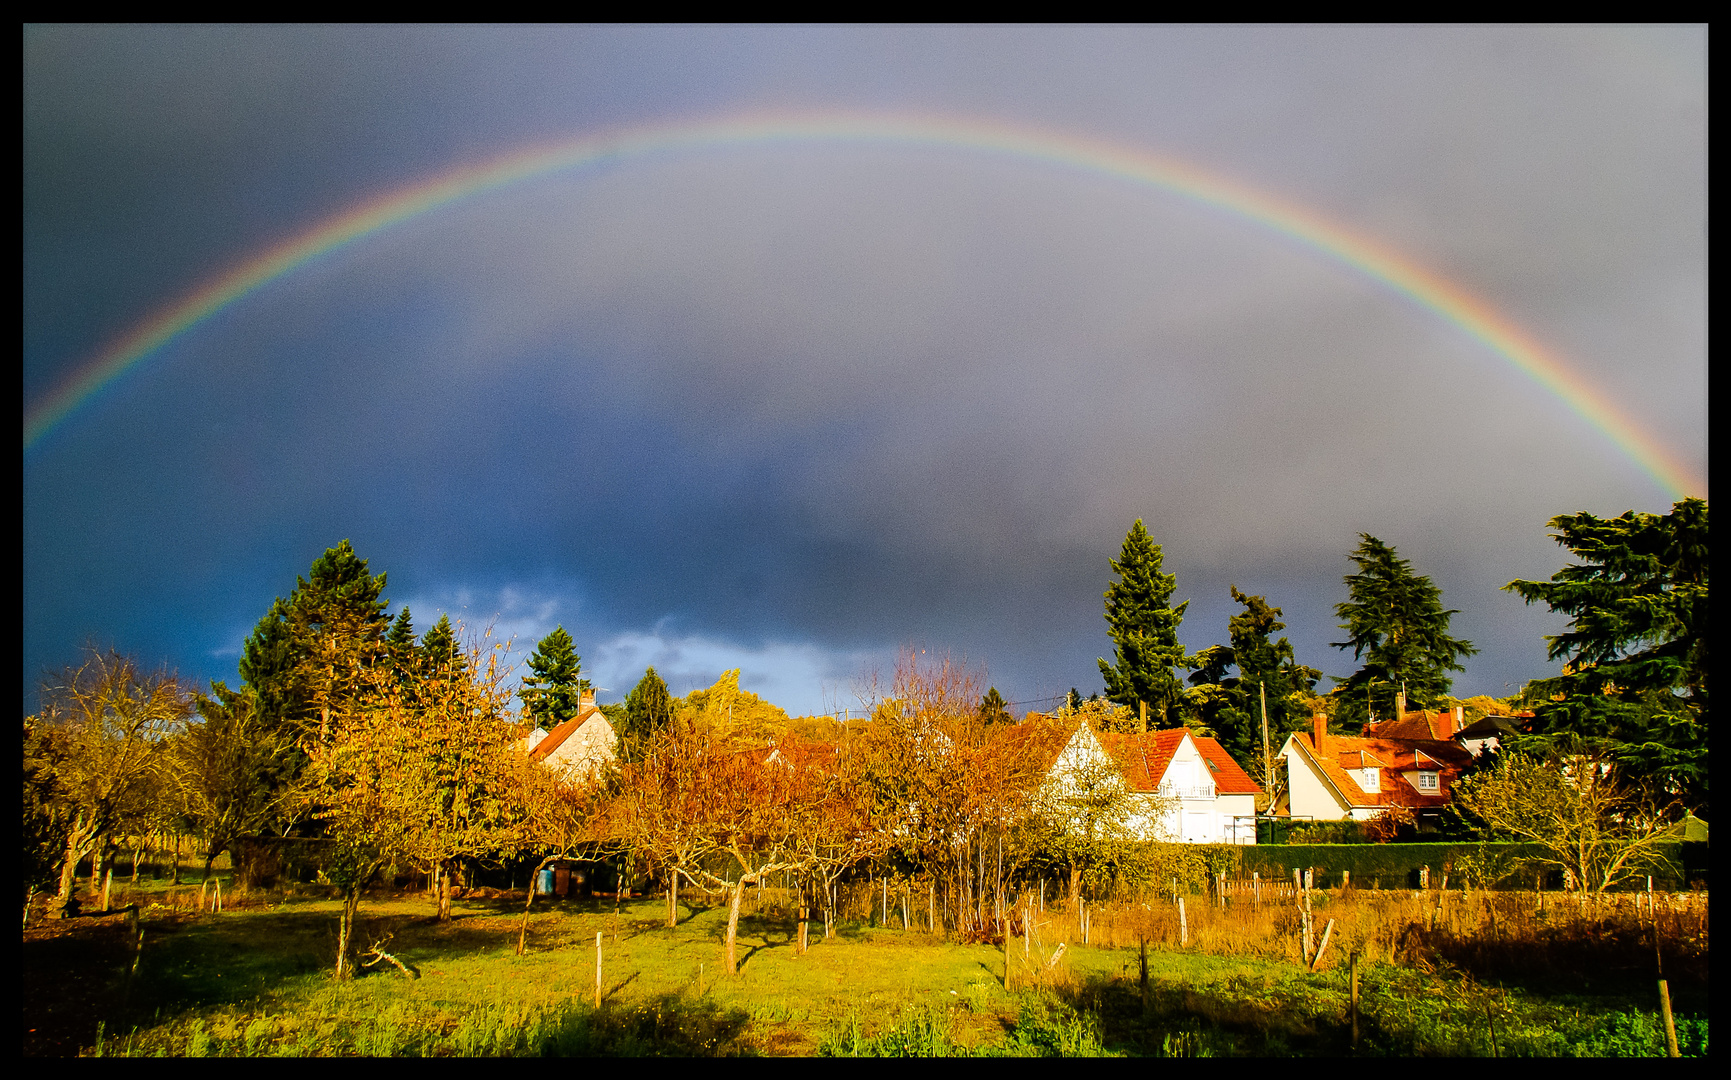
pixel 1143 756
pixel 1395 756
pixel 1040 735
pixel 1416 724
pixel 1229 778
pixel 558 735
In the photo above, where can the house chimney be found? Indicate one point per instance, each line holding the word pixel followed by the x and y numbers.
pixel 585 701
pixel 1452 723
pixel 1400 703
pixel 1319 731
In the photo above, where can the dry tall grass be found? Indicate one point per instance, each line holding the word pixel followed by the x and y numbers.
pixel 1532 932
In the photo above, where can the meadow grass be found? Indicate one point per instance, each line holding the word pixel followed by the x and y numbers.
pixel 255 981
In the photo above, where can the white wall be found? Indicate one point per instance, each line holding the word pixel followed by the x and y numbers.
pixel 1308 794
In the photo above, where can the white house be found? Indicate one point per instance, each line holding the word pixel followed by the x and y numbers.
pixel 580 746
pixel 1183 787
pixel 1339 777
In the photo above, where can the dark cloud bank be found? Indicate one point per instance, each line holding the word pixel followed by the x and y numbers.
pixel 788 408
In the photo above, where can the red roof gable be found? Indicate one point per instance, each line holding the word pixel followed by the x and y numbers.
pixel 1229 778
pixel 1393 756
pixel 558 735
pixel 1143 756
pixel 1040 735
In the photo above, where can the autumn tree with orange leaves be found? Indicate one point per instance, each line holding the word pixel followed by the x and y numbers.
pixel 430 770
pixel 693 802
pixel 947 785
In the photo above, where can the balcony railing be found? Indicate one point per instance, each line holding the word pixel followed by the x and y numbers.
pixel 1187 791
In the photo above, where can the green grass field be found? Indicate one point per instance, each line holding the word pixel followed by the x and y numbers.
pixel 255 981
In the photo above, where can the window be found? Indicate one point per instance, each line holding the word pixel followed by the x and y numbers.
pixel 1427 781
pixel 1368 780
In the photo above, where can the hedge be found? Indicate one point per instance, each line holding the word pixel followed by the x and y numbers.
pixel 1398 865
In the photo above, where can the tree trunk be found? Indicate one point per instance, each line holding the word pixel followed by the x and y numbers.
pixel 102 867
pixel 733 923
pixel 79 843
pixel 346 932
pixel 534 876
pixel 175 879
pixel 445 892
pixel 69 871
pixel 673 898
pixel 209 858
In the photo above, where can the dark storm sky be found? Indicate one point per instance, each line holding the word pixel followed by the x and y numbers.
pixel 786 408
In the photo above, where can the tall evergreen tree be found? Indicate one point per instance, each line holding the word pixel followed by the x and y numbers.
pixel 400 642
pixel 1634 684
pixel 993 708
pixel 1143 625
pixel 308 651
pixel 554 692
pixel 439 648
pixel 1232 704
pixel 1396 625
pixel 648 709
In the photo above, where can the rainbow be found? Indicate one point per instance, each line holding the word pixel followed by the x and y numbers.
pixel 1470 314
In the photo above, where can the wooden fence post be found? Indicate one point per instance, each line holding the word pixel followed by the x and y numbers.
pixel 1671 1049
pixel 1352 964
pixel 1183 925
pixel 598 970
pixel 1326 932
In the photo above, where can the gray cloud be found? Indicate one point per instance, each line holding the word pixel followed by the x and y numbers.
pixel 806 402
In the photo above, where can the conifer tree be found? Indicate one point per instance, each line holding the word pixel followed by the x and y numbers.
pixel 648 709
pixel 439 649
pixel 1397 626
pixel 307 654
pixel 1634 685
pixel 1231 705
pixel 400 645
pixel 554 692
pixel 993 708
pixel 1143 625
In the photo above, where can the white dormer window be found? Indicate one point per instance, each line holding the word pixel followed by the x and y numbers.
pixel 1367 779
pixel 1427 781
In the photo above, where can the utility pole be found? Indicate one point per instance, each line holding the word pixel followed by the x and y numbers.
pixel 1267 761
